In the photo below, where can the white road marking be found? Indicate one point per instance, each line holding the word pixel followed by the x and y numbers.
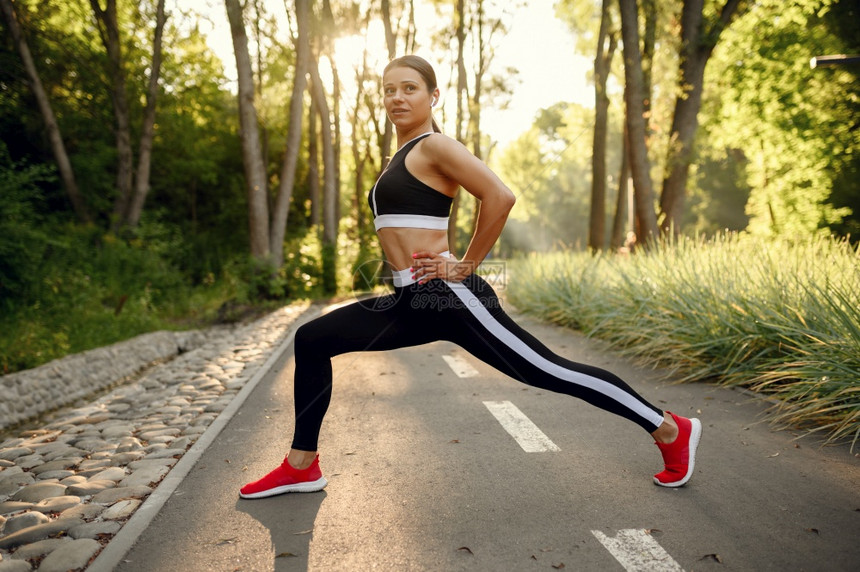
pixel 520 427
pixel 637 551
pixel 460 366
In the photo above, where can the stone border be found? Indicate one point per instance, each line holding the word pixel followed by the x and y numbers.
pixel 121 543
pixel 30 393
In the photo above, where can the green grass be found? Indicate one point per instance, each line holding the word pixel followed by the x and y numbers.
pixel 89 289
pixel 779 317
pixel 83 313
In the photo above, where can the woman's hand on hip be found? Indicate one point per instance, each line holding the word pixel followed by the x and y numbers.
pixel 429 265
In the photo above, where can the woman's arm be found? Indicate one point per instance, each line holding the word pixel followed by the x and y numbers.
pixel 455 162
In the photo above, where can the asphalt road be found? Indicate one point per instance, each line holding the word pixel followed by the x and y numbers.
pixel 422 476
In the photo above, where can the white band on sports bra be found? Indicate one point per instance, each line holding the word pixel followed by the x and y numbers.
pixel 404 277
pixel 410 221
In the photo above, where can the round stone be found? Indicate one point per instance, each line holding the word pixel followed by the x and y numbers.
pixel 119 407
pixel 182 443
pixel 10 507
pixel 39 491
pixel 172 431
pixel 191 431
pixel 129 444
pixel 117 431
pixel 165 453
pixel 39 532
pixel 87 511
pixel 93 444
pixel 122 509
pixel 110 474
pixel 123 459
pixel 94 464
pixel 57 504
pixel 9 485
pixel 94 529
pixel 15 566
pixel 90 487
pixel 70 556
pixel 15 453
pixel 145 476
pixel 58 475
pixel 57 465
pixel 26 520
pixel 65 451
pixel 73 480
pixel 58 450
pixel 27 462
pixel 110 496
pixel 38 549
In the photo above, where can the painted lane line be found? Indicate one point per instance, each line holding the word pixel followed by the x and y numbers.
pixel 637 551
pixel 520 427
pixel 460 366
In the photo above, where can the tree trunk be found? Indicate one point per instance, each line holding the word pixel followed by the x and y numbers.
pixel 294 135
pixel 144 160
pixel 649 7
pixel 640 165
pixel 619 224
pixel 475 106
pixel 391 43
pixel 602 64
pixel 314 161
pixel 411 30
pixel 109 32
pixel 697 44
pixel 330 195
pixel 327 39
pixel 461 94
pixel 359 159
pixel 336 134
pixel 64 166
pixel 258 86
pixel 252 156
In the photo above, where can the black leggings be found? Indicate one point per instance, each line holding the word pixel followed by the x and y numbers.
pixel 468 314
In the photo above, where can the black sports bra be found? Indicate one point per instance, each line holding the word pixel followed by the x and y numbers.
pixel 398 199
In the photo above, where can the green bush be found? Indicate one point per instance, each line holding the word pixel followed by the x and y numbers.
pixel 85 289
pixel 22 240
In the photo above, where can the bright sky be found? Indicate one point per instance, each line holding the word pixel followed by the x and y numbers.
pixel 540 46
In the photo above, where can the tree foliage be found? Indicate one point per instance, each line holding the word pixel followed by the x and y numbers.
pixel 795 126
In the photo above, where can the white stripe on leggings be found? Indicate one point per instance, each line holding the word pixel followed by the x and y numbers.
pixel 520 347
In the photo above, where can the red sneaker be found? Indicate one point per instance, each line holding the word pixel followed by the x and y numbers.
pixel 286 479
pixel 679 456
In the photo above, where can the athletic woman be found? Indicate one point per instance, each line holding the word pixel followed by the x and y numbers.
pixel 438 297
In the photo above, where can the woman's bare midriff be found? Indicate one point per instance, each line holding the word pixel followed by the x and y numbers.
pixel 400 243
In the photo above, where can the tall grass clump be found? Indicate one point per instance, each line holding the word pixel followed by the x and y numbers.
pixel 779 317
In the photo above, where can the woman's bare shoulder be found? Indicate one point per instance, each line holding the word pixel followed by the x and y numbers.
pixel 445 151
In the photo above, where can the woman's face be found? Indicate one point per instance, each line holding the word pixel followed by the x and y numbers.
pixel 407 99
